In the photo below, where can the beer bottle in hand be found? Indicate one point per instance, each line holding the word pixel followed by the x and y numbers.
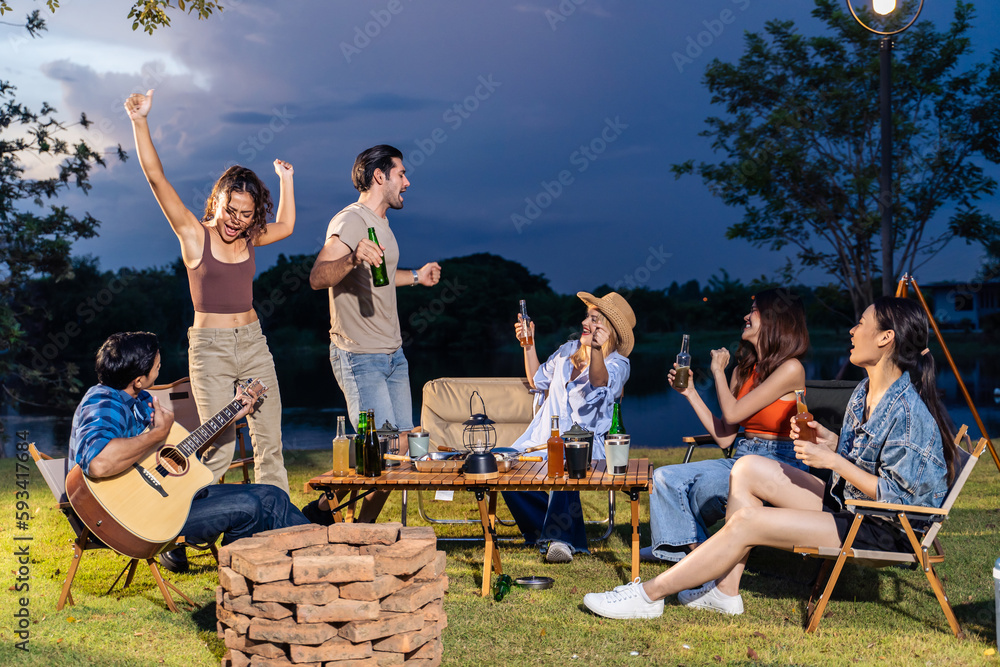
pixel 806 432
pixel 683 370
pixel 359 444
pixel 525 336
pixel 556 451
pixel 379 275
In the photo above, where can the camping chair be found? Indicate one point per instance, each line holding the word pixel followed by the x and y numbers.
pixel 827 401
pixel 177 397
pixel 901 515
pixel 54 473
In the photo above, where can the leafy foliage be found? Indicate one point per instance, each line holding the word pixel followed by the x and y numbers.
pixel 147 14
pixel 801 146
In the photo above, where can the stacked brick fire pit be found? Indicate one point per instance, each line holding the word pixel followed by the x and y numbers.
pixel 348 595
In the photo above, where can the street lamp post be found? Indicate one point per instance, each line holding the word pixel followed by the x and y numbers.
pixel 884 8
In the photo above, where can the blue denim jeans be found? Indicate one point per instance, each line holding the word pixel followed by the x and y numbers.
pixel 687 498
pixel 236 511
pixel 543 517
pixel 379 382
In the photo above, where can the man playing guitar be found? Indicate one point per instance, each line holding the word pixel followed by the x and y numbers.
pixel 118 423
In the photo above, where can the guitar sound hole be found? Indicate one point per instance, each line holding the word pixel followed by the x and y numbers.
pixel 173 461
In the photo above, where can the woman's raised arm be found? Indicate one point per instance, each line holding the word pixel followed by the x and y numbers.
pixel 284 223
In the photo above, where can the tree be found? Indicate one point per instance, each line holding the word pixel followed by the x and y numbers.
pixel 801 144
pixel 147 14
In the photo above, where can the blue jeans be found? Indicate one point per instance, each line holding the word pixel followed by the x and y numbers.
pixel 687 498
pixel 545 517
pixel 379 382
pixel 236 511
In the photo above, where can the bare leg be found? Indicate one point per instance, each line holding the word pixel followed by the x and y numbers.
pixel 796 518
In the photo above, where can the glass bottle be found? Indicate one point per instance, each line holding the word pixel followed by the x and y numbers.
pixel 341 449
pixel 557 451
pixel 524 334
pixel 617 425
pixel 803 416
pixel 683 371
pixel 373 453
pixel 359 444
pixel 379 275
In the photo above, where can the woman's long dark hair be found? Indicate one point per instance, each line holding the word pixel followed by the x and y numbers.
pixel 909 323
pixel 783 336
pixel 241 179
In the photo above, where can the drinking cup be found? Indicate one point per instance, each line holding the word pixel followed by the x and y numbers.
pixel 419 444
pixel 576 459
pixel 616 451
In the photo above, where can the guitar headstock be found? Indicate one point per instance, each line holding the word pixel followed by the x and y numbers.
pixel 253 388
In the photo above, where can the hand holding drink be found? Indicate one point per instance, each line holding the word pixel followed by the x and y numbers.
pixel 682 372
pixel 525 329
pixel 803 417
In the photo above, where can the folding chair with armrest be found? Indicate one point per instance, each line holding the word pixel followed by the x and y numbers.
pixel 902 515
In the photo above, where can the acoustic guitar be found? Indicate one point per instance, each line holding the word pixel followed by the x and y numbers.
pixel 140 511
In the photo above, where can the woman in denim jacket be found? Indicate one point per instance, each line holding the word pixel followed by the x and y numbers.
pixel 687 498
pixel 896 446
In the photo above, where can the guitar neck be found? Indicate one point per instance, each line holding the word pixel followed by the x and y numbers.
pixel 210 429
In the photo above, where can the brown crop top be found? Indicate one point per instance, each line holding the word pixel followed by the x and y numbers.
pixel 218 287
pixel 774 419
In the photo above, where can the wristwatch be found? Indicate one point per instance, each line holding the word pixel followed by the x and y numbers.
pixel 416 278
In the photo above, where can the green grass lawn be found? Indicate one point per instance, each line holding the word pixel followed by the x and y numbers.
pixel 887 617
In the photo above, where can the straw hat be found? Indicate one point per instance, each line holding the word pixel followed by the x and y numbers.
pixel 617 311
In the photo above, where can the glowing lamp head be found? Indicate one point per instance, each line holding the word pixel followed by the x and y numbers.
pixel 883 7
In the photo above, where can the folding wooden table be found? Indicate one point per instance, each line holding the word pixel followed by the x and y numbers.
pixel 524 476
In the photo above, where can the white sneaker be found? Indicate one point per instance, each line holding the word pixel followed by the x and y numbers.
pixel 558 552
pixel 709 597
pixel 625 601
pixel 646 555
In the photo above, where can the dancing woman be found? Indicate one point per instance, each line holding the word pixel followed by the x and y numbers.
pixel 687 498
pixel 582 378
pixel 896 446
pixel 225 341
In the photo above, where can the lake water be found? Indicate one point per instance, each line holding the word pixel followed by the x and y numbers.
pixel 654 414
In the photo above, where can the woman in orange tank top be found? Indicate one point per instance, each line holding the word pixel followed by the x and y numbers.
pixel 686 499
pixel 225 341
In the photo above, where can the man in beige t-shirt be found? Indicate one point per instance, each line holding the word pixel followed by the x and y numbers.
pixel 365 344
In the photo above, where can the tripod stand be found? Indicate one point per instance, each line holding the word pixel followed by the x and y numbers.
pixel 902 290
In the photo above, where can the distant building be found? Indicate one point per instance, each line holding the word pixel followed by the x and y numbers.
pixel 963 305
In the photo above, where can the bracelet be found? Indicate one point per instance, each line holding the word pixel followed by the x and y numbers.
pixel 416 278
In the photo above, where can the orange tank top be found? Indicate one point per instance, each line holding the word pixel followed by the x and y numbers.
pixel 774 419
pixel 218 287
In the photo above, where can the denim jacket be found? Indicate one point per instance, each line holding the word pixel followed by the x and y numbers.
pixel 900 442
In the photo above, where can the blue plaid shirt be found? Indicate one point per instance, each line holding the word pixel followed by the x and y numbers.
pixel 103 415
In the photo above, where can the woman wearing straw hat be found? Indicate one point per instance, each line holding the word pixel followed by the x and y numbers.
pixel 583 378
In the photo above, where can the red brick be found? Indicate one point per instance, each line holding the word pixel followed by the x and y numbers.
pixel 226 552
pixel 286 591
pixel 245 605
pixel 404 642
pixel 372 549
pixel 372 590
pixel 421 663
pixel 433 569
pixel 335 649
pixel 360 662
pixel 220 629
pixel 238 659
pixel 315 569
pixel 288 631
pixel 219 593
pixel 415 596
pixel 261 565
pixel 237 622
pixel 338 611
pixel 432 650
pixel 329 551
pixel 364 533
pixel 233 582
pixel 417 533
pixel 388 623
pixel 295 537
pixel 389 659
pixel 250 647
pixel 259 661
pixel 406 557
pixel 433 611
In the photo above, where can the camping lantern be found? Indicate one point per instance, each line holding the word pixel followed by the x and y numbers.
pixel 479 434
pixel 388 441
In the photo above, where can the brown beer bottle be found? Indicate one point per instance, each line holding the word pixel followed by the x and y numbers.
pixel 803 416
pixel 557 452
pixel 683 370
pixel 524 335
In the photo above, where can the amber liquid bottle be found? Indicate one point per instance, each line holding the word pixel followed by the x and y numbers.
pixel 803 416
pixel 526 338
pixel 683 371
pixel 557 452
pixel 359 444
